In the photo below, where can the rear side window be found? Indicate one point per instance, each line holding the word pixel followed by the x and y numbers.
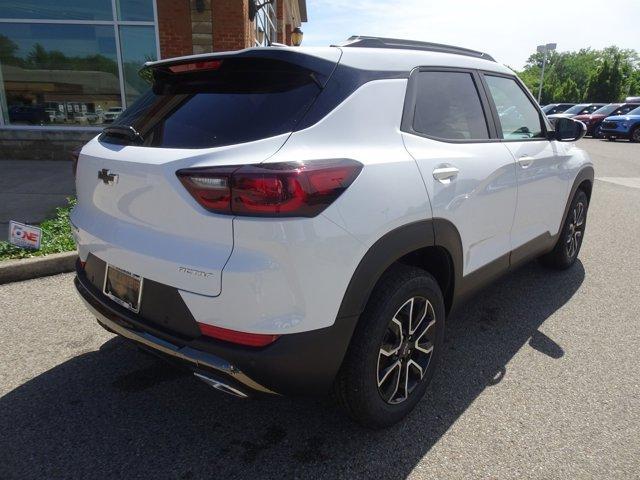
pixel 448 107
pixel 519 119
pixel 228 102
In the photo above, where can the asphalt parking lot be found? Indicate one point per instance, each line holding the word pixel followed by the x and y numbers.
pixel 541 379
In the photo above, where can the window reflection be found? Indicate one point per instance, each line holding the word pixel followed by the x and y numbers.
pixel 135 10
pixel 69 73
pixel 138 45
pixel 58 74
pixel 58 10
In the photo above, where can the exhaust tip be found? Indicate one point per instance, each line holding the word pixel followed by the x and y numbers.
pixel 218 385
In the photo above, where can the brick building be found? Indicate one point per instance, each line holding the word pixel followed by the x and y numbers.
pixel 64 73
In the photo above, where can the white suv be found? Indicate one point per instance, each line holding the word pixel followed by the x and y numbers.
pixel 301 220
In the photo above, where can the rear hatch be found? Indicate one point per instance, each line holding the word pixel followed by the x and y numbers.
pixel 227 109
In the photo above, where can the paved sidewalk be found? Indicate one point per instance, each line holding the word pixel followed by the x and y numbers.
pixel 31 189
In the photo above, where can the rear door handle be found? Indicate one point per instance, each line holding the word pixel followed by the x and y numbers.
pixel 525 161
pixel 445 174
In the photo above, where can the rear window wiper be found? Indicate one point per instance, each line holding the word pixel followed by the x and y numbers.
pixel 124 132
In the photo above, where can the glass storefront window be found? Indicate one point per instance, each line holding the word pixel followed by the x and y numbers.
pixel 58 10
pixel 58 74
pixel 70 73
pixel 135 10
pixel 138 45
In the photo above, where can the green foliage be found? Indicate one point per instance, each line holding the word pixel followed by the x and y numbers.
pixel 56 237
pixel 39 58
pixel 588 75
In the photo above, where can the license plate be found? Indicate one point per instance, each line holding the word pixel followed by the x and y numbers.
pixel 124 288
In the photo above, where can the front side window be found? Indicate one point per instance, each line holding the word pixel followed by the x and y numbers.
pixel 448 107
pixel 519 119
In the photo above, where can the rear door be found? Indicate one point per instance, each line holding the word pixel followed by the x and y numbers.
pixel 541 163
pixel 134 213
pixel 469 175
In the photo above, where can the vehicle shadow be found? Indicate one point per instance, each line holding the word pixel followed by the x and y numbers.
pixel 116 413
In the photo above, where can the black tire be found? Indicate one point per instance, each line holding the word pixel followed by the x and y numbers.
pixel 635 135
pixel 596 132
pixel 567 248
pixel 357 385
pixel 611 139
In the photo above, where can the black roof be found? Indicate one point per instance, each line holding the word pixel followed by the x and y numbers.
pixel 380 42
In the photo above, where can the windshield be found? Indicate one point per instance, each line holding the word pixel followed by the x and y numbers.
pixel 577 108
pixel 635 111
pixel 547 108
pixel 607 109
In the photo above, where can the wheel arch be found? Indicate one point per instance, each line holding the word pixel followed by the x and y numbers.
pixel 433 245
pixel 583 181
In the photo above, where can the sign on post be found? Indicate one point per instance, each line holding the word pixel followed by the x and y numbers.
pixel 25 236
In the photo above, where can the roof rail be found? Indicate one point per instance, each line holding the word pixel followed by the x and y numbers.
pixel 380 42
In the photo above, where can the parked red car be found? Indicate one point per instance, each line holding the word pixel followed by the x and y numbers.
pixel 593 120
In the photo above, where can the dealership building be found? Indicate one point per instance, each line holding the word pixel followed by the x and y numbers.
pixel 68 67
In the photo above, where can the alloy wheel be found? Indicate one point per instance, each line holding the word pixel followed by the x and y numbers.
pixel 576 229
pixel 636 135
pixel 406 350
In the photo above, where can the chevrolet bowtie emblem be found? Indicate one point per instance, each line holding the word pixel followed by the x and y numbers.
pixel 107 177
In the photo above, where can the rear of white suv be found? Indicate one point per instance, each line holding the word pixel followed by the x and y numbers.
pixel 270 219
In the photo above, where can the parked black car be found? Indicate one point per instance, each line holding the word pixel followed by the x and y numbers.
pixel 33 115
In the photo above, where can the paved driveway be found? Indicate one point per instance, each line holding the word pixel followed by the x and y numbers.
pixel 541 379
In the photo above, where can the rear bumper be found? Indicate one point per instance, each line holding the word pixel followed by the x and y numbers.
pixel 200 362
pixel 296 364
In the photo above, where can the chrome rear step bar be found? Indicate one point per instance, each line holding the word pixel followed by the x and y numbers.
pixel 196 359
pixel 218 385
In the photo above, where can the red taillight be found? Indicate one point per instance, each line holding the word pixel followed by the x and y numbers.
pixel 75 155
pixel 271 190
pixel 240 338
pixel 196 66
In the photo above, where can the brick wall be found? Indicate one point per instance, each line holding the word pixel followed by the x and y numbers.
pixel 231 27
pixel 174 26
pixel 281 16
pixel 223 23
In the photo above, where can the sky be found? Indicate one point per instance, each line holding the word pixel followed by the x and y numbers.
pixel 507 30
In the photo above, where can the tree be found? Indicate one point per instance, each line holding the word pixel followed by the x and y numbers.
pixel 588 75
pixel 8 49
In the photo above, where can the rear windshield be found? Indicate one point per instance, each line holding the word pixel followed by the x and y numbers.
pixel 236 100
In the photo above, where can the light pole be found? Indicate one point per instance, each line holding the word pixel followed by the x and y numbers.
pixel 544 49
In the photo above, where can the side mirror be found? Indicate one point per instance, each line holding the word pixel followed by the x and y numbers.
pixel 569 130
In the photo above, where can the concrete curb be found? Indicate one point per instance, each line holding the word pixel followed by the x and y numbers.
pixel 27 268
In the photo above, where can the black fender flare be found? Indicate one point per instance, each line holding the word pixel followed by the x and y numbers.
pixel 390 248
pixel 586 174
pixel 380 256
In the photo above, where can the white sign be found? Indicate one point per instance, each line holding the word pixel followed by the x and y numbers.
pixel 25 236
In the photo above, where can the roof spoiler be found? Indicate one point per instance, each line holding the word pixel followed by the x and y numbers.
pixel 380 42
